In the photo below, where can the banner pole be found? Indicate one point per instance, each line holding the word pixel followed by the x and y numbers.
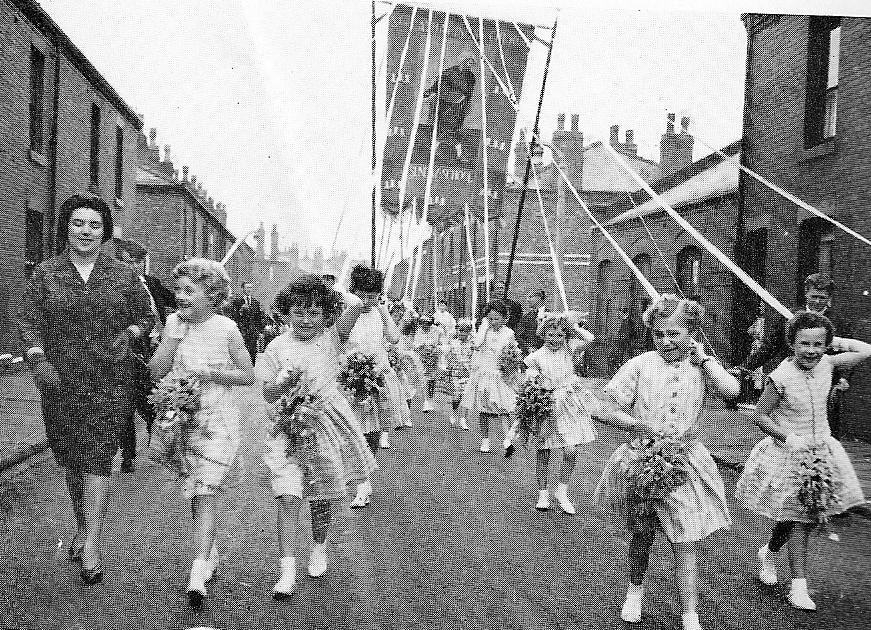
pixel 529 161
pixel 374 122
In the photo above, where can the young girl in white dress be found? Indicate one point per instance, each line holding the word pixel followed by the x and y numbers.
pixel 792 411
pixel 662 393
pixel 569 424
pixel 367 326
pixel 488 392
pixel 429 343
pixel 199 342
pixel 405 367
pixel 311 346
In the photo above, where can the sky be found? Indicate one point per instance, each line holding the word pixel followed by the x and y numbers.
pixel 269 101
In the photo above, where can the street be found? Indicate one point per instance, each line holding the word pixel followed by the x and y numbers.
pixel 450 540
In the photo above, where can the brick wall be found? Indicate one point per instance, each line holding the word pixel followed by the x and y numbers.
pixel 834 177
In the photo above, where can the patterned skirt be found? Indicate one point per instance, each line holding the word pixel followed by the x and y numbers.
pixel 322 467
pixel 772 478
pixel 488 392
pixel 691 512
pixel 570 423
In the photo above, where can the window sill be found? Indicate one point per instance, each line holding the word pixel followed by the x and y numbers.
pixel 827 147
pixel 39 158
pixel 119 203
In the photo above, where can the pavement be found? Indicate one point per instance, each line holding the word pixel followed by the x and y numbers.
pixel 450 540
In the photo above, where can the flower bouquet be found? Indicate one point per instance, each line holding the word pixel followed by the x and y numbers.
pixel 511 360
pixel 363 380
pixel 176 401
pixel 817 491
pixel 654 469
pixel 534 406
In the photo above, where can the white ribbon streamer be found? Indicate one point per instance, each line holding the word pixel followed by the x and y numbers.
pixel 557 274
pixel 485 151
pixel 474 268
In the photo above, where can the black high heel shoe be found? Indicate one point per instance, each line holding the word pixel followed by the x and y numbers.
pixel 93 576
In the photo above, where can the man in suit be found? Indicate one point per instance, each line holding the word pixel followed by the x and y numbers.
pixel 818 292
pixel 527 327
pixel 245 310
pixel 133 255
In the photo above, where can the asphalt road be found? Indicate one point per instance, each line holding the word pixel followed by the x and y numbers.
pixel 450 540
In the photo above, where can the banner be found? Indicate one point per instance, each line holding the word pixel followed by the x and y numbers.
pixel 441 93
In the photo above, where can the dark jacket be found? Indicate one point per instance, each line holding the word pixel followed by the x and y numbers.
pixel 250 319
pixel 163 297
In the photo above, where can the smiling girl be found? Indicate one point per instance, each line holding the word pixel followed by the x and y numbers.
pixel 662 393
pixel 792 411
pixel 198 342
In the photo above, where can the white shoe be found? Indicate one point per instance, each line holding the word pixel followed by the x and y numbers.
pixel 561 496
pixel 463 425
pixel 364 494
pixel 506 443
pixel 197 584
pixel 691 621
pixel 317 562
pixel 453 420
pixel 287 582
pixel 485 445
pixel 631 611
pixel 798 595
pixel 384 441
pixel 543 501
pixel 427 405
pixel 767 568
pixel 211 563
pixel 407 424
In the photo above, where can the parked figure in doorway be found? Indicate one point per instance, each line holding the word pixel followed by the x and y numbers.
pixel 792 411
pixel 627 338
pixel 819 289
pixel 245 310
pixel 133 255
pixel 79 316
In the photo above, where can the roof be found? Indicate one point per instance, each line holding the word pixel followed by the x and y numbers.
pixel 154 178
pixel 625 154
pixel 42 20
pixel 718 178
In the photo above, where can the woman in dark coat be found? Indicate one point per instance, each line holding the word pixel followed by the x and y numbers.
pixel 79 314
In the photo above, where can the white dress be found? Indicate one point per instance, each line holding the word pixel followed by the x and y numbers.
pixel 214 446
pixel 487 390
pixel 570 423
pixel 671 398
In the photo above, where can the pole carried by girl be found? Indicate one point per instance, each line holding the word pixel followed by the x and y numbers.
pixel 568 422
pixel 316 446
pixel 665 478
pixel 799 476
pixel 202 347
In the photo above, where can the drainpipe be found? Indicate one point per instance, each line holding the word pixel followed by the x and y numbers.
pixel 53 241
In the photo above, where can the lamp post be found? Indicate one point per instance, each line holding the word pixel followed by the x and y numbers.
pixel 559 214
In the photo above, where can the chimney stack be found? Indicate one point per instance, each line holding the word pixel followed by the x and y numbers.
pixel 194 182
pixel 166 153
pixel 675 150
pixel 561 122
pixel 520 157
pixel 575 121
pixel 184 173
pixel 669 124
pixel 571 143
pixel 684 124
pixel 630 136
pixel 152 137
pixel 615 133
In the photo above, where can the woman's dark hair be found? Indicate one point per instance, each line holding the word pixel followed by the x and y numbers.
pixel 366 279
pixel 84 201
pixel 308 290
pixel 497 305
pixel 806 319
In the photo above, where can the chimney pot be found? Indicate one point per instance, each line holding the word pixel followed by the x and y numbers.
pixel 669 124
pixel 211 202
pixel 194 181
pixel 152 136
pixel 615 132
pixel 575 121
pixel 522 135
pixel 630 136
pixel 166 153
pixel 561 122
pixel 184 173
pixel 684 124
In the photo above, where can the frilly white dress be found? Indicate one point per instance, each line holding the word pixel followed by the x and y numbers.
pixel 487 391
pixel 771 479
pixel 570 423
pixel 670 397
pixel 367 336
pixel 343 455
pixel 213 448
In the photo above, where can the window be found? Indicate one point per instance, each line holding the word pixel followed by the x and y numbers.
pixel 32 240
pixel 119 162
pixel 95 145
pixel 689 261
pixel 823 65
pixel 37 96
pixel 815 240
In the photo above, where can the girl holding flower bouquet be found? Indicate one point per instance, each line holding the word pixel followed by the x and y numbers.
pixel 569 423
pixel 800 475
pixel 404 360
pixel 316 446
pixel 488 391
pixel 458 367
pixel 368 326
pixel 198 343
pixel 429 343
pixel 665 479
